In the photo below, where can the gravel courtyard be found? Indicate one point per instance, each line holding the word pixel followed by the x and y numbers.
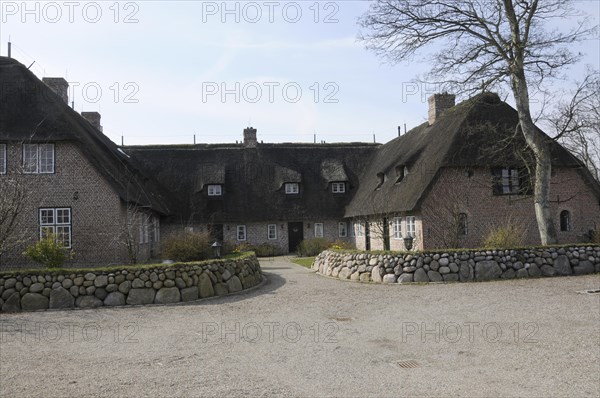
pixel 303 335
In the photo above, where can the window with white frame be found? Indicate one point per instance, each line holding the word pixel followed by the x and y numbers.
pixel 318 230
pixel 343 230
pixel 352 229
pixel 338 187
pixel 397 225
pixel 272 231
pixel 56 221
pixel 215 190
pixel 156 228
pixel 360 229
pixel 241 232
pixel 38 158
pixel 2 158
pixel 411 226
pixel 292 188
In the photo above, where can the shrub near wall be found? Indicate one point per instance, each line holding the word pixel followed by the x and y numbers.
pixel 463 266
pixel 161 284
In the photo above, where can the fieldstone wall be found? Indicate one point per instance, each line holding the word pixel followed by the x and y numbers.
pixel 463 266
pixel 44 289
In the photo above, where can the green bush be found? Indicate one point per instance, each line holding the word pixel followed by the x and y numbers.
pixel 188 246
pixel 49 252
pixel 312 247
pixel 506 236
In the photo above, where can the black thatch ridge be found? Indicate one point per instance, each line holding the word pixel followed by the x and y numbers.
pixel 31 111
pixel 253 190
pixel 480 131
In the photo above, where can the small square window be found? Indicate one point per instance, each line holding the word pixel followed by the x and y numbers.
pixel 343 230
pixel 215 190
pixel 38 158
pixel 338 187
pixel 292 188
pixel 272 231
pixel 318 230
pixel 241 232
pixel 57 222
pixel 2 158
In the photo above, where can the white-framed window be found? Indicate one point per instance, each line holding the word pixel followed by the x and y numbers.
pixel 411 226
pixel 215 190
pixel 338 187
pixel 292 188
pixel 241 232
pixel 343 230
pixel 360 229
pixel 318 230
pixel 272 231
pixel 352 229
pixel 397 225
pixel 2 158
pixel 38 158
pixel 56 221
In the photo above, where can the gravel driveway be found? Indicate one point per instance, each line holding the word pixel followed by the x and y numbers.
pixel 304 335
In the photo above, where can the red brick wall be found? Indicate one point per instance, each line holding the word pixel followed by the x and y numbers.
pixel 98 214
pixel 473 196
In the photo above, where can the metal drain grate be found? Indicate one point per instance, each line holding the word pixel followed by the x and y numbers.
pixel 593 291
pixel 408 364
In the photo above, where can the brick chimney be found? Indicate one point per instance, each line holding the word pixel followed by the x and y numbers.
pixel 59 86
pixel 438 103
pixel 93 118
pixel 250 137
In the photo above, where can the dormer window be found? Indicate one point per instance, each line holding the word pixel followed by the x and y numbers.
pixel 338 187
pixel 215 190
pixel 292 188
pixel 400 173
pixel 380 180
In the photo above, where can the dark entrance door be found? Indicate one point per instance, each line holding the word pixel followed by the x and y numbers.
pixel 216 232
pixel 367 236
pixel 386 234
pixel 295 235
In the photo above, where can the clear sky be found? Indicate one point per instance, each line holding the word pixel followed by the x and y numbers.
pixel 161 71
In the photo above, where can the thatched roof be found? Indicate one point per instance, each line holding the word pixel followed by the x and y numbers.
pixel 254 181
pixel 477 132
pixel 31 111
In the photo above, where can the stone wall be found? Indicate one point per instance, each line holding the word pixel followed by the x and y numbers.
pixel 163 284
pixel 463 266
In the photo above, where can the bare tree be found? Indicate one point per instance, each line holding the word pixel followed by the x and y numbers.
pixel 13 199
pixel 487 43
pixel 576 122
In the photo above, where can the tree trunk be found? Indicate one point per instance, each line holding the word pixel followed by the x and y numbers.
pixel 543 165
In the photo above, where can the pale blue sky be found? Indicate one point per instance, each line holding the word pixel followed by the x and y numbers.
pixel 173 52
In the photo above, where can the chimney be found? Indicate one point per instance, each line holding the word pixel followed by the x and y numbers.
pixel 59 86
pixel 438 103
pixel 250 137
pixel 93 118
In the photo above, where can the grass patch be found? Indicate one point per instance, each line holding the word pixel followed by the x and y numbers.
pixel 304 261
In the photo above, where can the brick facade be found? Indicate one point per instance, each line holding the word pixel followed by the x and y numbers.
pixel 485 211
pixel 98 214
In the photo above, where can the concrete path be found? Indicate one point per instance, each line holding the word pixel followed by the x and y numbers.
pixel 303 335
